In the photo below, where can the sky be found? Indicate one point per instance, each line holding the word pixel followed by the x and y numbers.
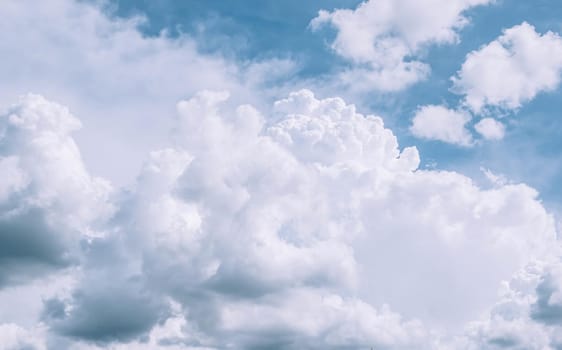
pixel 261 174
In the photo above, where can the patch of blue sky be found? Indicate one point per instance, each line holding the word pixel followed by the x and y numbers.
pixel 247 29
pixel 256 29
pixel 531 152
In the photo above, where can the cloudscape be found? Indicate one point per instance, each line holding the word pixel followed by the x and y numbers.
pixel 262 174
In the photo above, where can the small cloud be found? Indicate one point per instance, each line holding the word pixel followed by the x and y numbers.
pixel 434 122
pixel 490 129
pixel 510 70
pixel 496 179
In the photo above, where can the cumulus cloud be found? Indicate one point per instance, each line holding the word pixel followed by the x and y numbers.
pixel 218 232
pixel 469 244
pixel 490 129
pixel 114 77
pixel 293 220
pixel 48 200
pixel 547 308
pixel 303 228
pixel 384 39
pixel 502 75
pixel 527 315
pixel 245 237
pixel 510 70
pixel 435 122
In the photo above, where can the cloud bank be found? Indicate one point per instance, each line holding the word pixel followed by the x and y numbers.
pixel 293 220
pixel 300 224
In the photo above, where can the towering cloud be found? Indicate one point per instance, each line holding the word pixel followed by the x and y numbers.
pixel 309 220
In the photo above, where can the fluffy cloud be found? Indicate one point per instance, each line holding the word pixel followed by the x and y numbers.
pixel 470 244
pixel 48 201
pixel 440 123
pixel 252 231
pixel 293 220
pixel 384 38
pixel 113 76
pixel 307 227
pixel 510 70
pixel 503 74
pixel 435 122
pixel 527 315
pixel 490 129
pixel 222 233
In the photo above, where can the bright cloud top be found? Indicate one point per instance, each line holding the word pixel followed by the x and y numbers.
pixel 384 38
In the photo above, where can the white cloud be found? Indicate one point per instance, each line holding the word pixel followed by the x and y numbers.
pixel 496 179
pixel 320 318
pixel 306 228
pixel 490 129
pixel 311 222
pixel 388 37
pixel 470 244
pixel 436 122
pixel 510 70
pixel 48 202
pixel 14 337
pixel 123 84
pixel 526 316
pixel 329 131
pixel 214 225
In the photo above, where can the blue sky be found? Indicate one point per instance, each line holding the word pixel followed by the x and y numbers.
pixel 260 174
pixel 251 30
